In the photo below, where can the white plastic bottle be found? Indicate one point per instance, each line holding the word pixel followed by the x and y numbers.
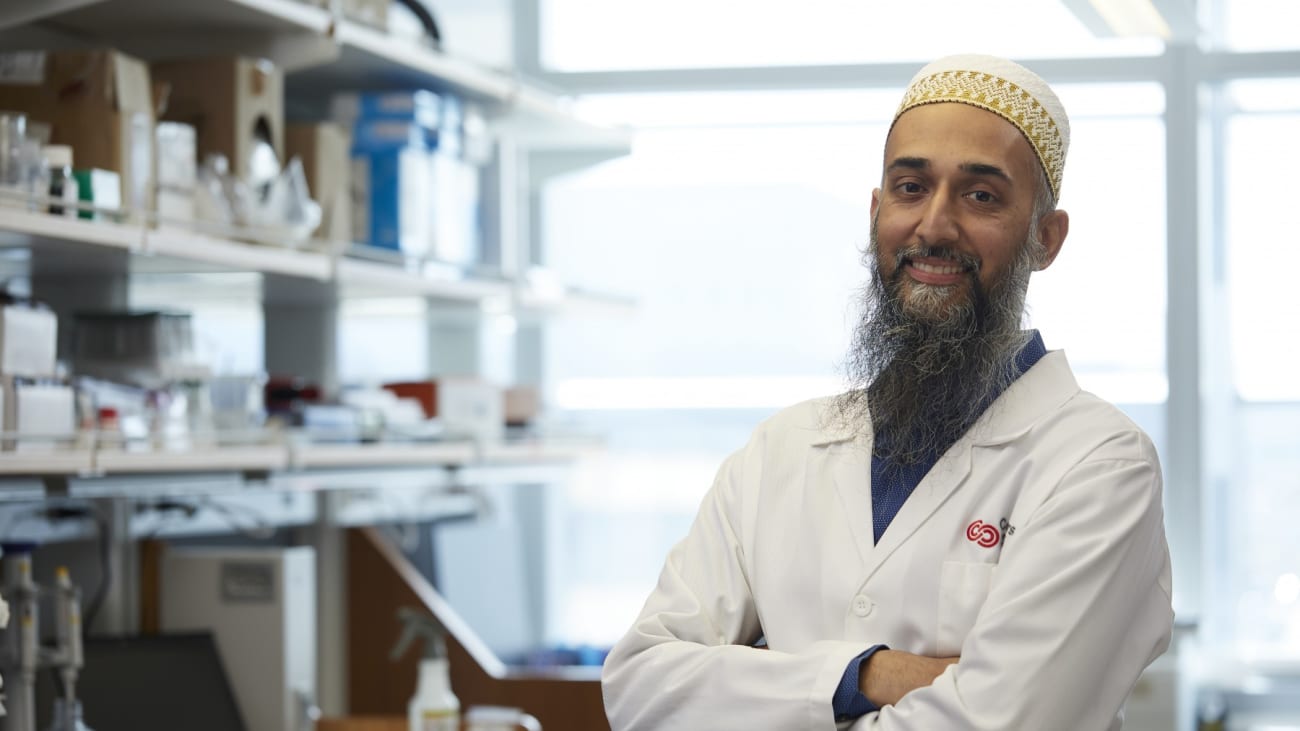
pixel 63 189
pixel 433 707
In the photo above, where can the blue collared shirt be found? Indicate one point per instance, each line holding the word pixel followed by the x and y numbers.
pixel 891 485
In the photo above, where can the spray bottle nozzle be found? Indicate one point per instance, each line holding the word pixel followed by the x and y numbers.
pixel 427 627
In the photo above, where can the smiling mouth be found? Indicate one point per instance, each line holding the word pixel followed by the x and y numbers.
pixel 937 267
pixel 929 268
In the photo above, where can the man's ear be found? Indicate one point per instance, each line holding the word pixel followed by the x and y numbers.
pixel 875 202
pixel 1052 230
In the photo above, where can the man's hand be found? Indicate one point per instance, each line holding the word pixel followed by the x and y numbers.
pixel 891 674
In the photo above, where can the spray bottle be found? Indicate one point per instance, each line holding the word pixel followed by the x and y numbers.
pixel 433 707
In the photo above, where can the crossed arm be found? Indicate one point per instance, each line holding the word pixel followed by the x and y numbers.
pixel 1079 609
pixel 891 674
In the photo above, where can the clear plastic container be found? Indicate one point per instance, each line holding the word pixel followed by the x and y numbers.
pixel 13 169
pixel 13 131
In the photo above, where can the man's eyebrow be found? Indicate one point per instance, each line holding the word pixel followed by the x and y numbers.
pixel 911 163
pixel 985 169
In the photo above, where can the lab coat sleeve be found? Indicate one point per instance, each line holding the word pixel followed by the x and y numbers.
pixel 1079 606
pixel 680 666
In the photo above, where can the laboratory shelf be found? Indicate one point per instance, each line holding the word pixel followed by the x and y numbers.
pixel 116 19
pixel 373 58
pixel 33 228
pixel 290 33
pixel 534 451
pixel 374 507
pixel 267 458
pixel 416 454
pixel 15 13
pixel 571 301
pixel 66 245
pixel 255 14
pixel 54 462
pixel 322 54
pixel 360 278
pixel 111 470
pixel 541 120
pixel 227 255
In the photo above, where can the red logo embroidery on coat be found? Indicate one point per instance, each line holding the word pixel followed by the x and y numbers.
pixel 985 534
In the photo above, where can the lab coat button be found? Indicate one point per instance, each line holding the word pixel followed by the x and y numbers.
pixel 861 605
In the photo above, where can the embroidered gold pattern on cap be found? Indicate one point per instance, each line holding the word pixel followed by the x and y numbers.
pixel 1004 99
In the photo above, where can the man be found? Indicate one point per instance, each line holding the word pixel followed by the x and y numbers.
pixel 963 540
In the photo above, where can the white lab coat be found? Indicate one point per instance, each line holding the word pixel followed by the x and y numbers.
pixel 1054 621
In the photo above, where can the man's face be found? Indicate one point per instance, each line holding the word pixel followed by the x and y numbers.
pixel 955 205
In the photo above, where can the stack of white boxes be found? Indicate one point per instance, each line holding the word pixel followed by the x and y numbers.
pixel 38 411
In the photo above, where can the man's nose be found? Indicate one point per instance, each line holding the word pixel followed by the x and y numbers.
pixel 938 224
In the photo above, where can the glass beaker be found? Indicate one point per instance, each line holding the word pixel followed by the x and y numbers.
pixel 13 133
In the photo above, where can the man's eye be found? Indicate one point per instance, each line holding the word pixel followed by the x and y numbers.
pixel 982 196
pixel 910 188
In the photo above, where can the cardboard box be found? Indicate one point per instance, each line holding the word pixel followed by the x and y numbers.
pixel 98 102
pixel 323 149
pixel 465 406
pixel 233 103
pixel 36 416
pixel 522 404
pixel 101 189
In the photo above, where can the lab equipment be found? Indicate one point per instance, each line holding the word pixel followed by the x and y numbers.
pixel 23 656
pixel 260 603
pixel 161 682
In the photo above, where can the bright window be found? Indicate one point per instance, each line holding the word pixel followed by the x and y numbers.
pixel 1260 25
pixel 1255 559
pixel 738 224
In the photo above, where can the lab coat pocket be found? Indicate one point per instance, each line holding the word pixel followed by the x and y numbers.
pixel 963 587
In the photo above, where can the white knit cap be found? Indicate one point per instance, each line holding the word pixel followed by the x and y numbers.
pixel 1005 88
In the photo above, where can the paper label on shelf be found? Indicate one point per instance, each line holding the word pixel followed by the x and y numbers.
pixel 22 67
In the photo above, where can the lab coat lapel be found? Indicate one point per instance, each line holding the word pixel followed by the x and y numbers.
pixel 939 483
pixel 849 465
pixel 1038 392
pixel 846 459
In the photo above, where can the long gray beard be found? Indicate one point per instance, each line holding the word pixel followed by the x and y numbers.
pixel 923 371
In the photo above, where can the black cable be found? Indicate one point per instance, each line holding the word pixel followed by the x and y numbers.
pixel 166 507
pixel 425 17
pixel 105 575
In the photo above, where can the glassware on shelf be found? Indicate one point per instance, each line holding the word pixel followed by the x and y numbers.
pixel 13 165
